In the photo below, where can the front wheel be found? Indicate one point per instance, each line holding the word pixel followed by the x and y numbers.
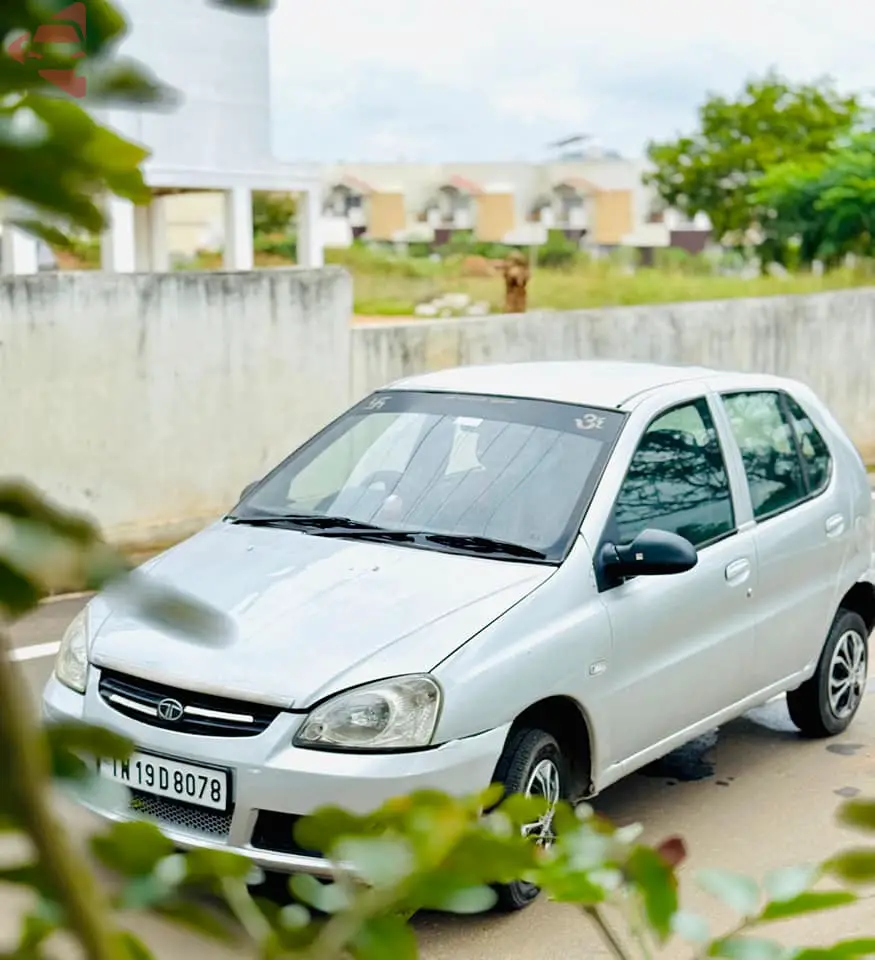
pixel 826 704
pixel 531 764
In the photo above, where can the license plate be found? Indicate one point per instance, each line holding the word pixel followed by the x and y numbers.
pixel 201 786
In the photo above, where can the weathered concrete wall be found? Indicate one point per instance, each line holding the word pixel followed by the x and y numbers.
pixel 826 340
pixel 149 401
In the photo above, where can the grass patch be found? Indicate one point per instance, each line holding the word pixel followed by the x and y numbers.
pixel 578 288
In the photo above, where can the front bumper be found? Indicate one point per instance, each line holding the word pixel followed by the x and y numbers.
pixel 274 783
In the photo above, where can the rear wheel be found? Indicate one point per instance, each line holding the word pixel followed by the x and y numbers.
pixel 532 764
pixel 826 704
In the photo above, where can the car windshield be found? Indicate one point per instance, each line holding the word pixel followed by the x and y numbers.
pixel 514 471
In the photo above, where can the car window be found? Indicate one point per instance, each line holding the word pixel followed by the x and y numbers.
pixel 815 452
pixel 676 481
pixel 768 450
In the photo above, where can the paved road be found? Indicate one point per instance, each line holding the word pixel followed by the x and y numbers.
pixel 751 798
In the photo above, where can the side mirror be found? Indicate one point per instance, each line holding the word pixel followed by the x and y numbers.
pixel 652 553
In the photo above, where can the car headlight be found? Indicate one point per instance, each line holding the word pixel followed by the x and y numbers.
pixel 396 714
pixel 71 665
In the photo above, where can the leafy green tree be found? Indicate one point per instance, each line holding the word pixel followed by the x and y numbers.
pixel 272 213
pixel 823 209
pixel 771 122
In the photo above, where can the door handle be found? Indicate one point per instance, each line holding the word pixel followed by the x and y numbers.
pixel 738 570
pixel 835 525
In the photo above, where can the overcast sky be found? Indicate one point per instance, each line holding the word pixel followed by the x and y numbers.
pixel 499 79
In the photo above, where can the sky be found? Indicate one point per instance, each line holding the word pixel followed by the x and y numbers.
pixel 480 80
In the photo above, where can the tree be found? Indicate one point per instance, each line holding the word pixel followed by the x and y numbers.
pixel 771 122
pixel 272 213
pixel 823 209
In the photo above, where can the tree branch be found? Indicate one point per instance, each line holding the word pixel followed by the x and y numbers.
pixel 27 775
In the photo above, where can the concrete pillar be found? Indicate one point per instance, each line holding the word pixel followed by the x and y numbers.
pixel 159 252
pixel 239 253
pixel 18 252
pixel 142 240
pixel 309 237
pixel 118 245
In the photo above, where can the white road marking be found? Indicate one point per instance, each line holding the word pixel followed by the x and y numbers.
pixel 36 651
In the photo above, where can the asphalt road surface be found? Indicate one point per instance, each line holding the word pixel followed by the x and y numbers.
pixel 751 797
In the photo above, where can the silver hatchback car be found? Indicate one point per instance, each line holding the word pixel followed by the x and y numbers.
pixel 545 575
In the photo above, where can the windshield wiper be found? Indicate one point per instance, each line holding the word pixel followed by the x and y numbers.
pixel 486 546
pixel 306 521
pixel 359 530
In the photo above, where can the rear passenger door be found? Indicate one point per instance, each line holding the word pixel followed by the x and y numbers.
pixel 803 531
pixel 682 644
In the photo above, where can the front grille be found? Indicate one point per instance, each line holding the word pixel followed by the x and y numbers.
pixel 275 832
pixel 172 813
pixel 201 713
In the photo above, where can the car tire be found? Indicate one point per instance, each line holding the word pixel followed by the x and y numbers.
pixel 531 764
pixel 826 704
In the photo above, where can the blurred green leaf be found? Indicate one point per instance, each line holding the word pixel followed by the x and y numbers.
pixel 566 886
pixel 325 897
pixel 124 81
pixel 132 849
pixel 385 937
pixel 66 740
pixel 809 902
pixel 21 501
pixel 144 892
pixel 786 883
pixel 749 948
pixel 656 881
pixel 324 827
pixel 133 947
pixel 33 932
pixel 859 814
pixel 199 918
pixel 27 875
pixel 855 866
pixel 165 607
pixel 737 891
pixel 844 950
pixel 205 864
pixel 467 900
pixel 690 927
pixel 17 593
pixel 378 861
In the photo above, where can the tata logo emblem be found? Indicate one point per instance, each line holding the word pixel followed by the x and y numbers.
pixel 170 710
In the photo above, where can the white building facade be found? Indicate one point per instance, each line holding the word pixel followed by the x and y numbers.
pixel 217 138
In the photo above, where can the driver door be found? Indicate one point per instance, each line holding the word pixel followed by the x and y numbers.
pixel 682 644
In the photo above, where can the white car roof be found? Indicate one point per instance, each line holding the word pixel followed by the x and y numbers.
pixel 597 383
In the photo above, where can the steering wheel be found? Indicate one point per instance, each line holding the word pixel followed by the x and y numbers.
pixel 389 479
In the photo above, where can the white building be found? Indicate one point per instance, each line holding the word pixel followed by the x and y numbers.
pixel 217 139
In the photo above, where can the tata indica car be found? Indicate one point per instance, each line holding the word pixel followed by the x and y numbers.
pixel 545 575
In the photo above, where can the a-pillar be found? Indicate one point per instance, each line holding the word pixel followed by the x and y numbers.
pixel 118 244
pixel 19 253
pixel 238 253
pixel 309 252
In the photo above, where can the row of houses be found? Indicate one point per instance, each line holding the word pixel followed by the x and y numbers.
pixel 601 203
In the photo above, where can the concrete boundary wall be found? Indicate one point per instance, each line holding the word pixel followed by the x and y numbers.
pixel 826 340
pixel 148 401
